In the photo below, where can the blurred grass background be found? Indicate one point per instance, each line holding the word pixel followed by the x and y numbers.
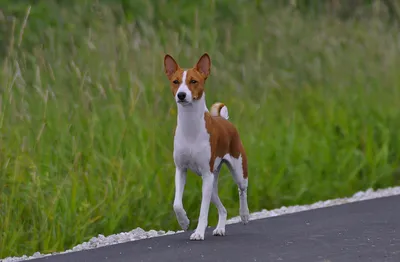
pixel 87 118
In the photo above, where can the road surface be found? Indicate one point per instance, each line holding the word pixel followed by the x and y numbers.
pixel 361 231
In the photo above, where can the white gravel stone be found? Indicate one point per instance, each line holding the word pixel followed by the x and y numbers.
pixel 138 233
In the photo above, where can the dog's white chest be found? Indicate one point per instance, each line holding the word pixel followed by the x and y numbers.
pixel 192 153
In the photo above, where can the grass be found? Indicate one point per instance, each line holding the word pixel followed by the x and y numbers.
pixel 87 118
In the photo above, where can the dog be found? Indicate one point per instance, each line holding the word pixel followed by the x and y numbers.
pixel 203 141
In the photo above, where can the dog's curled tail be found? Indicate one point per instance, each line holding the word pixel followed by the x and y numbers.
pixel 219 109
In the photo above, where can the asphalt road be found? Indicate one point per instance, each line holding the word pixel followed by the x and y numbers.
pixel 362 231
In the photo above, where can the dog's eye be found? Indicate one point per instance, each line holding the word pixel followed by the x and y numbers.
pixel 193 81
pixel 176 82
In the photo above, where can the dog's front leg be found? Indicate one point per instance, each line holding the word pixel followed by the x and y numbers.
pixel 207 188
pixel 180 181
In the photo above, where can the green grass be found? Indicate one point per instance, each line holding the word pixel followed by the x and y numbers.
pixel 87 117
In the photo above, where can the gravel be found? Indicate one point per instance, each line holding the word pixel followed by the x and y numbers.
pixel 138 233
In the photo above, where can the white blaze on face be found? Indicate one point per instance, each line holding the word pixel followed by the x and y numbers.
pixel 184 88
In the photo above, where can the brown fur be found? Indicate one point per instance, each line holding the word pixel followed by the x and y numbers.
pixel 220 106
pixel 224 139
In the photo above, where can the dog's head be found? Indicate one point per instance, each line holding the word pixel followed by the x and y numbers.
pixel 187 85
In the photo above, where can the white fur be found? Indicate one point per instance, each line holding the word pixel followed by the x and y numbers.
pixel 184 88
pixel 214 109
pixel 222 214
pixel 224 112
pixel 192 150
pixel 235 167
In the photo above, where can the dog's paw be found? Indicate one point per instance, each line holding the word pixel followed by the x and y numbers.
pixel 197 236
pixel 245 218
pixel 184 222
pixel 219 232
pixel 182 218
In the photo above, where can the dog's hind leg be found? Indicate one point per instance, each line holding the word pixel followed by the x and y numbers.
pixel 238 169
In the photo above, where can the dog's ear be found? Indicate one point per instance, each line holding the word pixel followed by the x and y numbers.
pixel 170 65
pixel 204 65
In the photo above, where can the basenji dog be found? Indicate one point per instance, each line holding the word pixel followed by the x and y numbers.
pixel 203 141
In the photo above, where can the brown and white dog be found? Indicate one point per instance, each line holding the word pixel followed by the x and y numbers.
pixel 203 141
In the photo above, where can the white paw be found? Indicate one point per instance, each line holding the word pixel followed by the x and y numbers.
pixel 245 217
pixel 219 232
pixel 184 222
pixel 197 236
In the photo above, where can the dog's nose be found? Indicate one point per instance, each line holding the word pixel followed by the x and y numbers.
pixel 181 95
